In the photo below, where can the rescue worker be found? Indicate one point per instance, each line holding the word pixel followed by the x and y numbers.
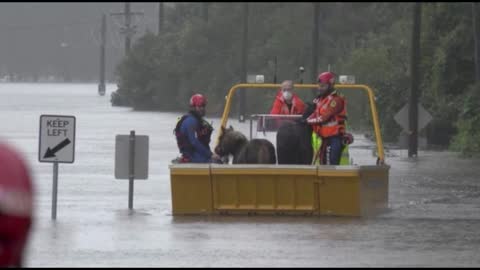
pixel 287 102
pixel 16 205
pixel 328 121
pixel 193 134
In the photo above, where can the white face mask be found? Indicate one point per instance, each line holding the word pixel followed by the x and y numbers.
pixel 287 96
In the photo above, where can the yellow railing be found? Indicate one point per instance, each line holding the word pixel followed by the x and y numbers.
pixel 369 91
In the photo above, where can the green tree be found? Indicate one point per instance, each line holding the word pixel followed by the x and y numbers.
pixel 368 40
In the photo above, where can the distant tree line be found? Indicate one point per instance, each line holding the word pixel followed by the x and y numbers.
pixel 369 40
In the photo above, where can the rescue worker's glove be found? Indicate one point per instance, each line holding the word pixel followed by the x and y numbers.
pixel 315 120
pixel 180 159
pixel 347 139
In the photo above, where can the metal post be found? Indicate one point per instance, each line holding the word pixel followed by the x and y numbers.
pixel 205 11
pixel 54 190
pixel 415 60
pixel 316 26
pixel 251 124
pixel 242 93
pixel 160 17
pixel 101 85
pixel 131 168
pixel 476 36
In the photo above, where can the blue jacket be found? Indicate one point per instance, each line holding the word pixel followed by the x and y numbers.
pixel 201 151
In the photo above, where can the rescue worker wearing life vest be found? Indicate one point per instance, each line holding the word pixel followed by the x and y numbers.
pixel 287 102
pixel 328 120
pixel 193 134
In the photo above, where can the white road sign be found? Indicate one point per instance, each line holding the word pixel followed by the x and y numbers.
pixel 122 157
pixel 57 139
pixel 424 117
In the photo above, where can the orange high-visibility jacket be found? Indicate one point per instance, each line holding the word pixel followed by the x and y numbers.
pixel 281 107
pixel 329 116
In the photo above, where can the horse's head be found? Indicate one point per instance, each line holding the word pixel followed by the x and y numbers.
pixel 229 142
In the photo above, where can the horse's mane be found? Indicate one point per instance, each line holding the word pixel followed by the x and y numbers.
pixel 230 141
pixel 256 151
pixel 235 135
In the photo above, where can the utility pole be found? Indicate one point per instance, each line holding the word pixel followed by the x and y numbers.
pixel 316 18
pixel 101 85
pixel 65 48
pixel 476 37
pixel 128 30
pixel 160 17
pixel 244 62
pixel 415 60
pixel 205 11
pixel 128 34
pixel 275 71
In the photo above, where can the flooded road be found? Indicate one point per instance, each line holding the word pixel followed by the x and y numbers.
pixel 434 201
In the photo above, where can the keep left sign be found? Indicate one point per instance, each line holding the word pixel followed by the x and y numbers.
pixel 57 139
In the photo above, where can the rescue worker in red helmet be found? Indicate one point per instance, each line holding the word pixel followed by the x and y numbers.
pixel 328 120
pixel 16 205
pixel 193 134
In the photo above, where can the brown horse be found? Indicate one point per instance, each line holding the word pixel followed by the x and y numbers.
pixel 294 140
pixel 256 151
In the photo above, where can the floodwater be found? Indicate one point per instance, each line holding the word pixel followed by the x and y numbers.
pixel 433 217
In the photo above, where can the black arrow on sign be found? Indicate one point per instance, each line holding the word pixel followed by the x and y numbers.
pixel 51 152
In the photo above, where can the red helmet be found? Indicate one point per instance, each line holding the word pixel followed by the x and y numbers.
pixel 16 205
pixel 198 100
pixel 326 77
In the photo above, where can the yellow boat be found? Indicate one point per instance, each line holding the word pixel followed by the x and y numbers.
pixel 345 190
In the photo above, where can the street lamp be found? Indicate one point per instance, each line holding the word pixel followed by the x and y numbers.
pixel 301 69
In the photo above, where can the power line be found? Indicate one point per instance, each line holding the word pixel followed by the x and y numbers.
pixel 129 29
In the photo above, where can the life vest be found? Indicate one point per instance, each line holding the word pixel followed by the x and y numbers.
pixel 317 143
pixel 336 125
pixel 203 132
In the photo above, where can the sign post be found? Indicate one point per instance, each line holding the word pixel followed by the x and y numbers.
pixel 131 168
pixel 54 190
pixel 131 160
pixel 56 145
pixel 402 118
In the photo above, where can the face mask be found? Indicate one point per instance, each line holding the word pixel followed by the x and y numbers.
pixel 287 96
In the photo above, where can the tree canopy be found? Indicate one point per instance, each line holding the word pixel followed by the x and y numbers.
pixel 369 40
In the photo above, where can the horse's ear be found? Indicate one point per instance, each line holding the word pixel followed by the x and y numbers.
pixel 230 128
